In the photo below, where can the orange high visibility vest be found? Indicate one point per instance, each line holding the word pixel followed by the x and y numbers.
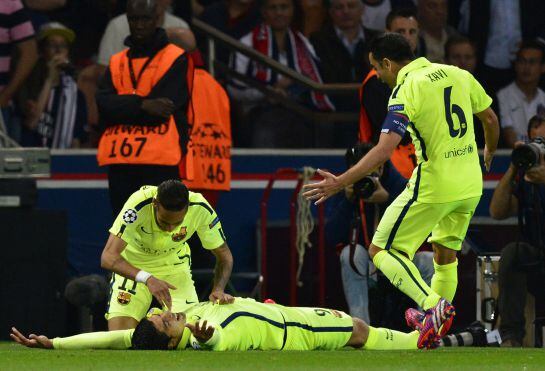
pixel 208 160
pixel 403 157
pixel 131 144
pixel 366 130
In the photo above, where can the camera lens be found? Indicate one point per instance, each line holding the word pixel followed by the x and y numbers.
pixel 525 156
pixel 365 187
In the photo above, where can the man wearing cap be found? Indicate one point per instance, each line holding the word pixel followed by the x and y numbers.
pixel 54 110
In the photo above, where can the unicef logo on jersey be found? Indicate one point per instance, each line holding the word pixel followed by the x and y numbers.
pixel 457 152
pixel 130 216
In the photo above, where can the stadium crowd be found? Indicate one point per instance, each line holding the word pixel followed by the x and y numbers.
pixel 60 48
pixel 55 54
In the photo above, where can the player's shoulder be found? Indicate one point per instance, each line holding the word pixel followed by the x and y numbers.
pixel 141 198
pixel 197 203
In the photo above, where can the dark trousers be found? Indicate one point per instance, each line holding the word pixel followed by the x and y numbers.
pixel 124 180
pixel 520 272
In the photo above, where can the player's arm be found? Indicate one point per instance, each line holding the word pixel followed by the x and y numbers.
pixel 504 204
pixel 213 238
pixel 112 260
pixel 388 141
pixel 377 156
pixel 120 339
pixel 222 273
pixel 491 128
pixel 204 335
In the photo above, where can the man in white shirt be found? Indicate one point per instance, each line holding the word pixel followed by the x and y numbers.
pixel 522 99
pixel 118 29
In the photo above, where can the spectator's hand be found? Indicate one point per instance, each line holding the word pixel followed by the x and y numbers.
pixel 488 156
pixel 160 289
pixel 349 192
pixel 162 107
pixel 536 174
pixel 283 83
pixel 53 66
pixel 220 297
pixel 201 331
pixel 33 341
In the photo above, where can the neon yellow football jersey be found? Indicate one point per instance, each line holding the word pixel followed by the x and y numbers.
pixel 438 102
pixel 157 251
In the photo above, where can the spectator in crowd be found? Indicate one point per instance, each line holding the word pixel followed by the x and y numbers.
pixel 405 22
pixel 498 27
pixel 234 18
pixel 361 206
pixel 54 111
pixel 17 33
pixel 376 11
pixel 460 52
pixel 142 100
pixel 523 99
pixel 343 43
pixel 522 263
pixel 432 17
pixel 275 38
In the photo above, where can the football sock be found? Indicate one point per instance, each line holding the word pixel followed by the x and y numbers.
pixel 445 279
pixel 404 275
pixel 383 339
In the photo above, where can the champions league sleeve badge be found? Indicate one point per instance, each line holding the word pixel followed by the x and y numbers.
pixel 130 216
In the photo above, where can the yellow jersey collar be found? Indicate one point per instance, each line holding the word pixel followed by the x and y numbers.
pixel 414 65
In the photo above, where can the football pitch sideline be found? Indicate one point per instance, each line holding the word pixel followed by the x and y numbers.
pixel 15 357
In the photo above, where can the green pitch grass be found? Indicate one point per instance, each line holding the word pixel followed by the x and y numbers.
pixel 15 357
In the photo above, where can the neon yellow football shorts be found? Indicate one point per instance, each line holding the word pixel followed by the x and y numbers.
pixel 316 328
pixel 407 223
pixel 133 299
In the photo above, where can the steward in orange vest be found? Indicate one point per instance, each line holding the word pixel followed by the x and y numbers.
pixel 143 101
pixel 208 163
pixel 373 109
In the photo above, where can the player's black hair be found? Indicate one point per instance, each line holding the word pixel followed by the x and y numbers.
pixel 173 195
pixel 456 40
pixel 399 13
pixel 146 337
pixel 532 44
pixel 392 46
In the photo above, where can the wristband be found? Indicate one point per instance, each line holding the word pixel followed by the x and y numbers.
pixel 142 277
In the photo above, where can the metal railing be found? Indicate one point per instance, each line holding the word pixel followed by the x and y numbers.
pixel 214 36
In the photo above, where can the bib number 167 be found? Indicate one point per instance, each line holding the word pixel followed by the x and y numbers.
pixel 127 147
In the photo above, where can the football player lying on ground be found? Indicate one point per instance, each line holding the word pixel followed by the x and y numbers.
pixel 242 325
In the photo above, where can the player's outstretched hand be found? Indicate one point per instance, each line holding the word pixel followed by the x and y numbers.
pixel 160 289
pixel 488 156
pixel 201 331
pixel 220 297
pixel 33 341
pixel 321 191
